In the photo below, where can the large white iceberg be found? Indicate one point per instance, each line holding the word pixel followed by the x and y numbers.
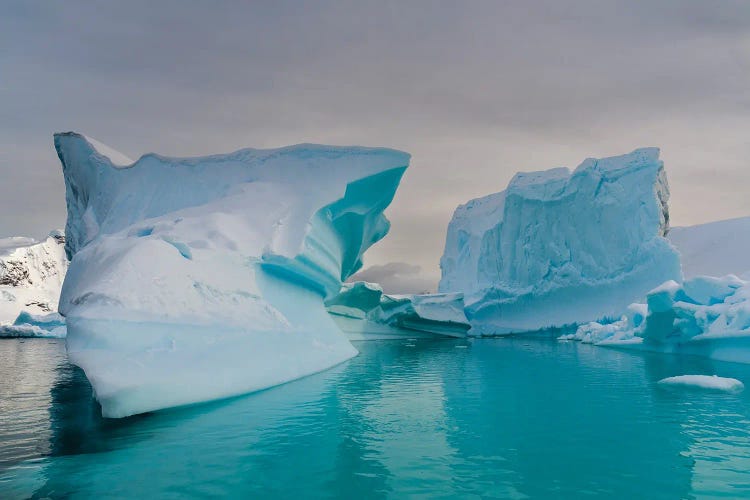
pixel 364 312
pixel 558 248
pixel 194 279
pixel 31 274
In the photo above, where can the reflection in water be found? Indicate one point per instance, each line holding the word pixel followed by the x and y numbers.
pixel 716 426
pixel 27 370
pixel 510 418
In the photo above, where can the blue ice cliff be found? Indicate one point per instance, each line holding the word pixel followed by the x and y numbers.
pixel 364 312
pixel 560 248
pixel 194 279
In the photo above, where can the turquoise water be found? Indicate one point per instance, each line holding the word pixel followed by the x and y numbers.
pixel 507 418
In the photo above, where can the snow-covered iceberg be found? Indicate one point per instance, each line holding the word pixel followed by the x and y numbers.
pixel 559 248
pixel 364 312
pixel 31 275
pixel 194 279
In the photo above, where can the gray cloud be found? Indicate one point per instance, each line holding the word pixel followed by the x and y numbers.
pixel 396 277
pixel 474 90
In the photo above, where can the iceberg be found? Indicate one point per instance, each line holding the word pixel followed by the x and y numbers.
pixel 364 312
pixel 193 279
pixel 50 325
pixel 560 248
pixel 704 316
pixel 708 382
pixel 31 275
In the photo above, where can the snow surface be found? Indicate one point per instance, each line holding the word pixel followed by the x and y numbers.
pixel 115 157
pixel 364 312
pixel 714 249
pixel 704 382
pixel 194 279
pixel 559 248
pixel 31 275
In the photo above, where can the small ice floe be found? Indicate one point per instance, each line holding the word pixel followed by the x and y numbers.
pixel 709 382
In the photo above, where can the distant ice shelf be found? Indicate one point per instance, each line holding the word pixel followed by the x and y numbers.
pixel 194 279
pixel 714 249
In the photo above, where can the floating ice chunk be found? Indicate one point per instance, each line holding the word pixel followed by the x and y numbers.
pixel 33 325
pixel 704 316
pixel 355 300
pixel 194 279
pixel 364 312
pixel 710 382
pixel 559 248
pixel 441 313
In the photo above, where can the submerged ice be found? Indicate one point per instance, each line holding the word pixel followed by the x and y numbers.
pixel 560 248
pixel 194 279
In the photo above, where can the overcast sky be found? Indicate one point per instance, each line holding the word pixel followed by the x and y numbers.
pixel 475 91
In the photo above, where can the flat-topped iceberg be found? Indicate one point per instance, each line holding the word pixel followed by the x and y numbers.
pixel 31 274
pixel 194 279
pixel 364 312
pixel 559 248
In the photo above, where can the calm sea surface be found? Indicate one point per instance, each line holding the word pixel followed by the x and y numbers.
pixel 506 418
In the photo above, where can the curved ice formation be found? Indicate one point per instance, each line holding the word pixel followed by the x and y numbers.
pixel 31 274
pixel 709 382
pixel 194 279
pixel 559 247
pixel 364 312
